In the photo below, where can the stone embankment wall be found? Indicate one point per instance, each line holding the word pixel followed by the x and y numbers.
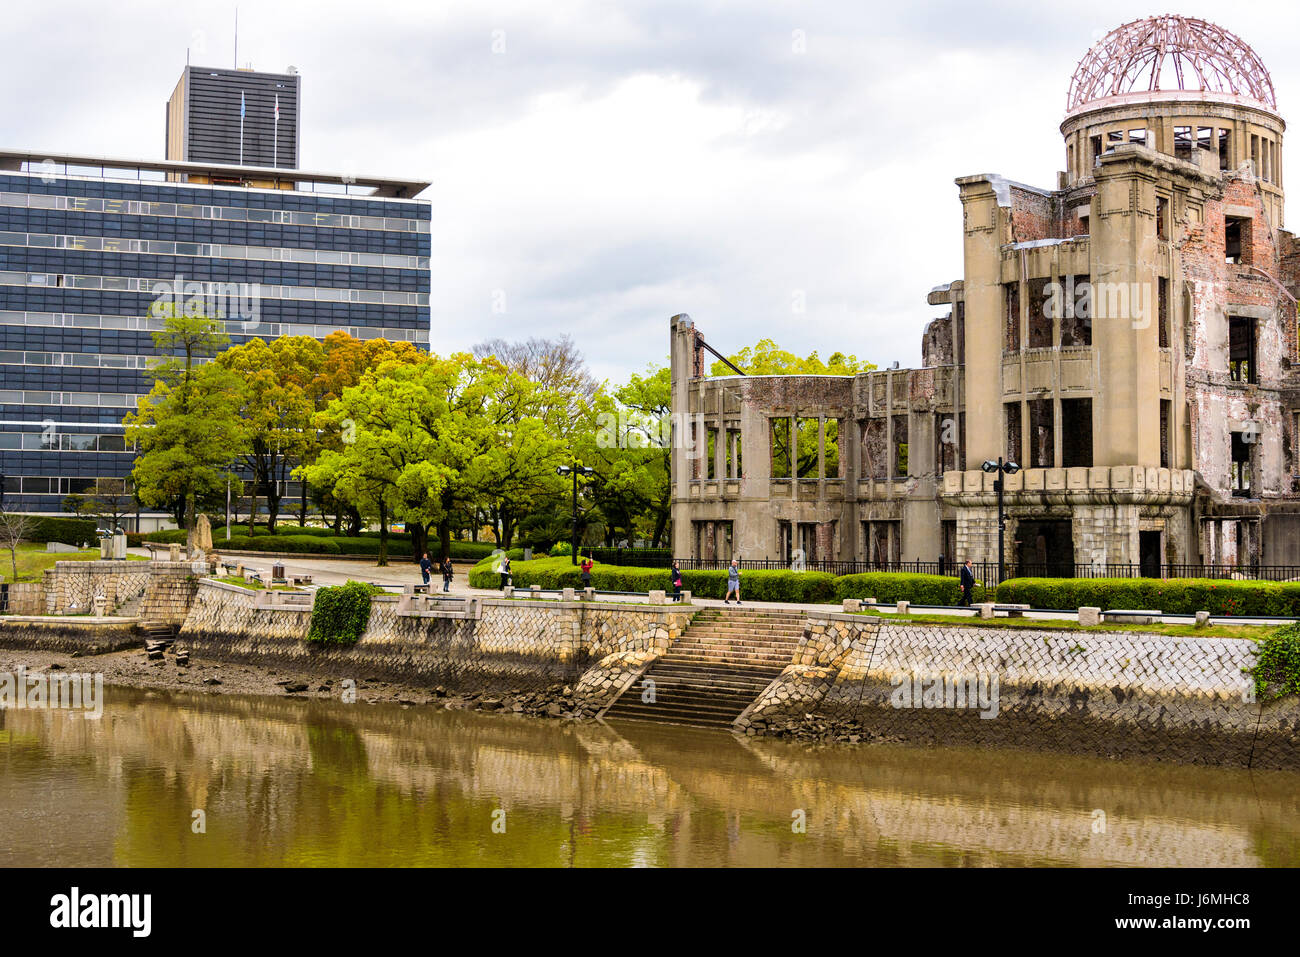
pixel 511 644
pixel 25 598
pixel 164 588
pixel 1114 694
pixel 87 636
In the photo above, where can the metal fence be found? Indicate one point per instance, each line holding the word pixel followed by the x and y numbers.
pixel 985 572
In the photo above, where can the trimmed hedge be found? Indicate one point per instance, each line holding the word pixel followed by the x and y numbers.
pixel 1184 596
pixel 69 531
pixel 340 613
pixel 560 572
pixel 896 586
pixel 468 551
pixel 320 541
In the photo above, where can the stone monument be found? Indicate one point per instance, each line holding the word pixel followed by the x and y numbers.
pixel 199 541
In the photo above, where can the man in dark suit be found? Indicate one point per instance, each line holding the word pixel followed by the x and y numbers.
pixel 967 583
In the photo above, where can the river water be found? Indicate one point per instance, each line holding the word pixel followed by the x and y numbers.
pixel 291 782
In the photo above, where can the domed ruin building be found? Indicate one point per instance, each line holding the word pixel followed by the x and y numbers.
pixel 1128 338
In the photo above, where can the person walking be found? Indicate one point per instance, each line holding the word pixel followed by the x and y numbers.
pixel 733 582
pixel 676 576
pixel 967 583
pixel 426 567
pixel 504 568
pixel 448 572
pixel 585 572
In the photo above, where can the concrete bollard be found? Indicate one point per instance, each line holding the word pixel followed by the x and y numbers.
pixel 1089 616
pixel 985 609
pixel 1202 619
pixel 657 597
pixel 566 594
pixel 903 606
pixel 686 598
pixel 852 605
pixel 589 594
pixel 534 591
pixel 174 552
pixel 101 606
pixel 508 591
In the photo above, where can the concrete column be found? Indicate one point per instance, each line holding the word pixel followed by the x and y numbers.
pixel 1126 413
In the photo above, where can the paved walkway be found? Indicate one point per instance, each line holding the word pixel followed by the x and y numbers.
pixel 400 572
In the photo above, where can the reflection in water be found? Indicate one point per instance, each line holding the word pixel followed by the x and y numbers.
pixel 287 782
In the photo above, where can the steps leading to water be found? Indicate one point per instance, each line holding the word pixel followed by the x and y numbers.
pixel 158 632
pixel 715 670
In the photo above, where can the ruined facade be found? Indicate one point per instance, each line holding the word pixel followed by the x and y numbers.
pixel 1128 339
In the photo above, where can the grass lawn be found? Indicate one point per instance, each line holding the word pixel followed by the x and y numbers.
pixel 252 585
pixel 33 560
pixel 1255 632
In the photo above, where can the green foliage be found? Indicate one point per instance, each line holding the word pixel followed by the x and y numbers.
pixel 560 572
pixel 294 539
pixel 1277 665
pixel 470 551
pixel 276 407
pixel 69 531
pixel 767 358
pixel 340 613
pixel 187 427
pixel 894 587
pixel 1183 596
pixel 629 450
pixel 562 548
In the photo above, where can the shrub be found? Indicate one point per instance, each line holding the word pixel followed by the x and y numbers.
pixel 1174 595
pixel 340 613
pixel 560 572
pixel 69 531
pixel 397 548
pixel 1277 666
pixel 561 548
pixel 470 551
pixel 897 586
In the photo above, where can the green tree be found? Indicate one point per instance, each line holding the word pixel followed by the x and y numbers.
pixel 414 442
pixel 630 449
pixel 187 428
pixel 108 502
pixel 277 408
pixel 767 358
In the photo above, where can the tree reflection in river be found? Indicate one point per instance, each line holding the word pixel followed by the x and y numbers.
pixel 290 782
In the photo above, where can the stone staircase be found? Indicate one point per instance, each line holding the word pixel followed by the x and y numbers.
pixel 716 669
pixel 158 633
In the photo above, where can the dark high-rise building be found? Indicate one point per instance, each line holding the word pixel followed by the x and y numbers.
pixel 230 116
pixel 88 244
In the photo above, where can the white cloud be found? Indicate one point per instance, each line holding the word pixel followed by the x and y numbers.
pixel 617 164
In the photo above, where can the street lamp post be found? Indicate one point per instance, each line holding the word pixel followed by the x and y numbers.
pixel 1003 469
pixel 576 469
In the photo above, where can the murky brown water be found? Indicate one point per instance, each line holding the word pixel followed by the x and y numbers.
pixel 307 782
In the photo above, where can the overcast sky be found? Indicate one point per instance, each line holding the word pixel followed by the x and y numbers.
pixel 599 167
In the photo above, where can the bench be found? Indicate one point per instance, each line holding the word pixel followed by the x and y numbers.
pixel 1133 616
pixel 988 609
